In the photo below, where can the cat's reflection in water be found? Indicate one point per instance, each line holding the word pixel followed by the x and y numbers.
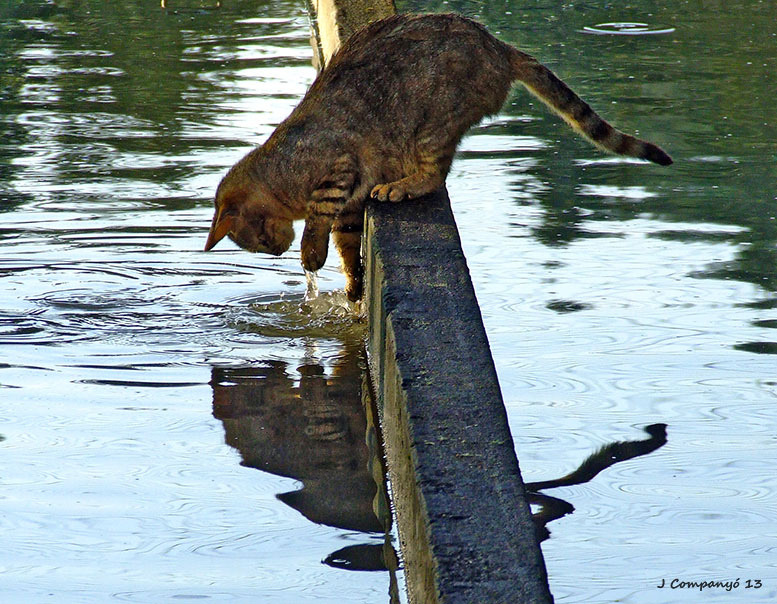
pixel 309 424
pixel 312 427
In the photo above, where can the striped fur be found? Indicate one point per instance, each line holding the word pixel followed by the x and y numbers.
pixel 547 87
pixel 383 119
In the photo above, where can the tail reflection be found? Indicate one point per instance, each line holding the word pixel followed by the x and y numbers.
pixel 552 508
pixel 312 427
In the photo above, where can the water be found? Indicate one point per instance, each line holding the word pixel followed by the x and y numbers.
pixel 143 381
pixel 616 295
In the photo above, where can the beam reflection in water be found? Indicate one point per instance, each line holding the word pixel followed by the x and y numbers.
pixel 313 421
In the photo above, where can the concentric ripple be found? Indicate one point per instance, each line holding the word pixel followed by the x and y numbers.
pixel 626 28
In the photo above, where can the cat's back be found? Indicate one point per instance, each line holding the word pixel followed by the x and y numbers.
pixel 422 47
pixel 403 32
pixel 401 67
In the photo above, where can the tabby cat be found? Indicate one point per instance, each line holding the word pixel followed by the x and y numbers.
pixel 383 119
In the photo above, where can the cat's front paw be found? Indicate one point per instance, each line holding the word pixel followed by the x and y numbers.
pixel 392 191
pixel 353 288
pixel 312 260
pixel 315 243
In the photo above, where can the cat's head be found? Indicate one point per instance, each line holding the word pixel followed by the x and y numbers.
pixel 250 215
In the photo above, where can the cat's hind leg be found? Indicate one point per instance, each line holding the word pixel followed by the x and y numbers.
pixel 416 185
pixel 428 170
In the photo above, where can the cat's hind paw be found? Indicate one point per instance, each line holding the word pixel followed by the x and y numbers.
pixel 392 191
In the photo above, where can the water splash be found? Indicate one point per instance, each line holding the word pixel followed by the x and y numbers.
pixel 325 315
pixel 311 291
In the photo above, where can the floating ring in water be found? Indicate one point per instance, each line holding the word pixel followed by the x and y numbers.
pixel 625 28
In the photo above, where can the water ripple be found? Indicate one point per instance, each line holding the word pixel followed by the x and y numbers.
pixel 626 28
pixel 328 314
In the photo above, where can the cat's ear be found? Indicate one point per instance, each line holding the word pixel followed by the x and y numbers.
pixel 223 223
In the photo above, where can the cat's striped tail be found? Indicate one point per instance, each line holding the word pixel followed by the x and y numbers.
pixel 552 91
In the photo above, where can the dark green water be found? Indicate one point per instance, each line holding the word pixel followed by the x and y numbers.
pixel 615 294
